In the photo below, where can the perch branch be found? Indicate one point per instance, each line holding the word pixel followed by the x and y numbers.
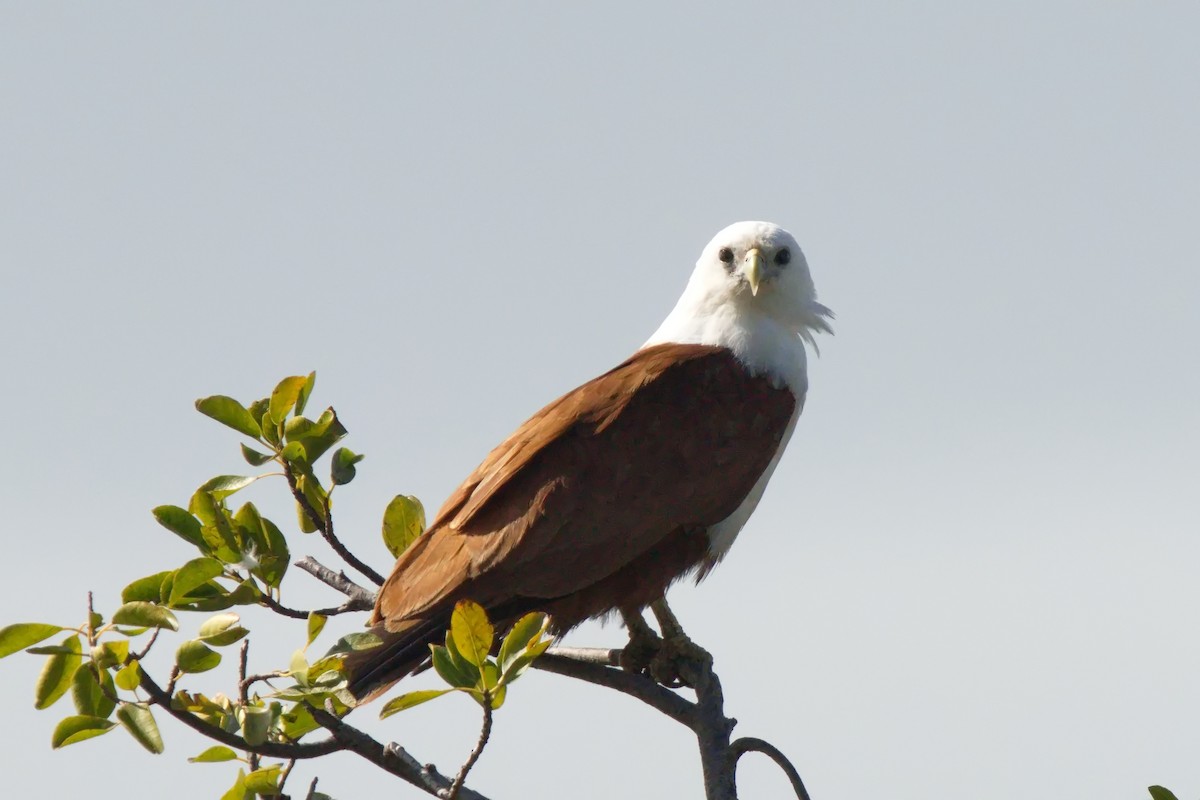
pixel 636 686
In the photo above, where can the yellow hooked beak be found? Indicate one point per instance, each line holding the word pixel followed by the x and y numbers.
pixel 753 269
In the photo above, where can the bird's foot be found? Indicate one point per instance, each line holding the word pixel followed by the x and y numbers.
pixel 678 660
pixel 644 645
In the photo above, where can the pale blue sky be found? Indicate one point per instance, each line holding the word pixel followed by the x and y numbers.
pixel 974 573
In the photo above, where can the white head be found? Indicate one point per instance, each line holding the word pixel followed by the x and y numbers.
pixel 751 291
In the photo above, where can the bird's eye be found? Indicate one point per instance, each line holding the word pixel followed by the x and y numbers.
pixel 783 256
pixel 726 255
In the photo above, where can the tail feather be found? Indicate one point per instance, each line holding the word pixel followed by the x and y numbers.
pixel 372 672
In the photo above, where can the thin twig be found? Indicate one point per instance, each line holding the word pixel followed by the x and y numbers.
pixel 244 690
pixel 250 680
pixel 145 650
pixel 484 734
pixel 91 629
pixel 159 697
pixel 312 790
pixel 299 613
pixel 747 744
pixel 391 757
pixel 324 523
pixel 361 598
pixel 287 772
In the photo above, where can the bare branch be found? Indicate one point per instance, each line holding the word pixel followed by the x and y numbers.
pixel 153 638
pixel 484 734
pixel 287 773
pixel 243 690
pixel 609 657
pixel 361 598
pixel 312 790
pixel 636 686
pixel 299 613
pixel 323 521
pixel 748 744
pixel 390 758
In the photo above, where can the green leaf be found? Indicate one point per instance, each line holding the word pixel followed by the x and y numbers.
pixel 222 486
pixel 238 791
pixel 178 521
pixel 459 675
pixel 305 392
pixel 141 725
pixel 298 667
pixel 23 634
pixel 228 411
pixel 521 663
pixel 293 453
pixel 222 630
pixel 403 522
pixel 111 654
pixel 269 547
pixel 285 395
pixel 130 676
pixel 265 781
pixel 194 573
pixel 270 429
pixel 145 615
pixel 215 754
pixel 317 497
pixel 297 722
pixel 316 623
pixel 76 729
pixel 1162 793
pixel 256 724
pixel 342 468
pixel 316 436
pixel 58 673
pixel 255 458
pixel 147 589
pixel 491 682
pixel 398 704
pixel 91 697
pixel 526 630
pixel 194 656
pixel 473 634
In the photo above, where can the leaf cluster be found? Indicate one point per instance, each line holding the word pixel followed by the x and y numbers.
pixel 465 662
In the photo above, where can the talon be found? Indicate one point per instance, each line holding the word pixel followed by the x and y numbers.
pixel 671 662
pixel 644 646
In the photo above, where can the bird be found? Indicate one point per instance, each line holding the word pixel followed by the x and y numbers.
pixel 620 487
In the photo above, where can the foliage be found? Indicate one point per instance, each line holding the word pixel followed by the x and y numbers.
pixel 240 558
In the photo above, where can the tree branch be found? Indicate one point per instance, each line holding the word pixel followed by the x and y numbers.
pixel 628 683
pixel 361 598
pixel 484 734
pixel 391 758
pixel 299 613
pixel 324 523
pixel 297 750
pixel 748 744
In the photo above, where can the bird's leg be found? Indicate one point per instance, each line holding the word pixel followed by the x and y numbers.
pixel 643 646
pixel 677 649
